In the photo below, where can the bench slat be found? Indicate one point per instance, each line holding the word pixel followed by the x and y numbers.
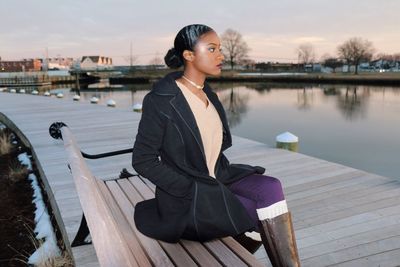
pixel 124 227
pixel 240 252
pixel 200 253
pixel 220 251
pixel 151 246
pixel 177 254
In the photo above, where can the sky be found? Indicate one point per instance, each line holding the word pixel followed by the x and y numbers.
pixel 272 29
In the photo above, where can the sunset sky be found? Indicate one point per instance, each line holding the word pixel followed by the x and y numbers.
pixel 272 29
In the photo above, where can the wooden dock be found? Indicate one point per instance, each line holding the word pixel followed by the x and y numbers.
pixel 342 216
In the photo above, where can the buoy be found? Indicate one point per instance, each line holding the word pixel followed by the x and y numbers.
pixel 22 91
pixel 47 93
pixel 111 103
pixel 287 141
pixel 60 95
pixel 94 100
pixel 13 91
pixel 137 107
pixel 35 92
pixel 76 97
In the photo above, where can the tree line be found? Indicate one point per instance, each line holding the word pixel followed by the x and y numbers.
pixel 352 52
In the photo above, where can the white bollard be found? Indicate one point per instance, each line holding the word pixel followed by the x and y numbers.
pixel 76 97
pixel 137 107
pixel 13 91
pixel 94 100
pixel 60 95
pixel 287 141
pixel 22 91
pixel 35 92
pixel 111 103
pixel 47 93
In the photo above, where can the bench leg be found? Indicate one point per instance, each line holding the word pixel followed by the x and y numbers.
pixel 82 234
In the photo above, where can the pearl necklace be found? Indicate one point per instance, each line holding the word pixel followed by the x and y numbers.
pixel 193 83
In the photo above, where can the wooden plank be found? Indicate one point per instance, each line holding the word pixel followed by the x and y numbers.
pixel 104 231
pixel 388 258
pixel 223 253
pixel 199 253
pixel 176 253
pixel 380 218
pixel 124 227
pixel 240 252
pixel 150 246
pixel 358 252
pixel 348 241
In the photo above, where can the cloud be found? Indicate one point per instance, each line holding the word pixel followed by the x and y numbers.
pixel 308 39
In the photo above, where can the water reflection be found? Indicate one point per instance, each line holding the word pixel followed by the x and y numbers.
pixel 305 98
pixel 235 105
pixel 352 103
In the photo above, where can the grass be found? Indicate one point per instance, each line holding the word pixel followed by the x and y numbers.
pixel 17 171
pixel 64 260
pixel 6 145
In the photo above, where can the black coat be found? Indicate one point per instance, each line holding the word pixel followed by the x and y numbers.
pixel 168 151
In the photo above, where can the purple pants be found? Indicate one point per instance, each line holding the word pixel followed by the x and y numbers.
pixel 257 191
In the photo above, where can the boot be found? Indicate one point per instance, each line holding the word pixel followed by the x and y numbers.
pixel 279 241
pixel 248 243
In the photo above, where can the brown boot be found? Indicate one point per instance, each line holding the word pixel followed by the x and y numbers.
pixel 251 245
pixel 279 241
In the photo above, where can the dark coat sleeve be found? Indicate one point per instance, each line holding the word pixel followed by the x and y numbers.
pixel 146 153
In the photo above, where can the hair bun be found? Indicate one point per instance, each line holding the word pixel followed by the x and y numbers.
pixel 172 59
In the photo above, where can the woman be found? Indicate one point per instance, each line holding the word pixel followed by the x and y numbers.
pixel 179 147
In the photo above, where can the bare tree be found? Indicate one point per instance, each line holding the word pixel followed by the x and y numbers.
pixel 355 50
pixel 235 49
pixel 332 63
pixel 306 53
pixel 388 57
pixel 156 61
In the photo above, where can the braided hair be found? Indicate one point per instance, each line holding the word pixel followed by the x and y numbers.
pixel 186 39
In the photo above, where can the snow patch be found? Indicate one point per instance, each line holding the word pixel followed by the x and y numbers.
pixel 24 159
pixel 44 228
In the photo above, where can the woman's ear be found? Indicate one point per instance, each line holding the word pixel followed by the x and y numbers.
pixel 188 55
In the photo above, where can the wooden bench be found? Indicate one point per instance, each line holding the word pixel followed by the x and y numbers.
pixel 109 206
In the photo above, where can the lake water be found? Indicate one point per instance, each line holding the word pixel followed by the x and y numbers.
pixel 358 126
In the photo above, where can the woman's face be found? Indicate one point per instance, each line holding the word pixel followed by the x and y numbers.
pixel 208 55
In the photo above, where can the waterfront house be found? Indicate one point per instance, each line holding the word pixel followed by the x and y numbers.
pixel 96 63
pixel 60 63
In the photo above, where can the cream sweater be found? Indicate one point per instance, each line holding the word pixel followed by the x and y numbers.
pixel 209 124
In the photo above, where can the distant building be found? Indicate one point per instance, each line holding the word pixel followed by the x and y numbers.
pixel 313 67
pixel 59 63
pixel 20 65
pixel 278 67
pixel 96 62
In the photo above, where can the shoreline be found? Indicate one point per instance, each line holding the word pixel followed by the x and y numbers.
pixel 149 77
pixel 314 78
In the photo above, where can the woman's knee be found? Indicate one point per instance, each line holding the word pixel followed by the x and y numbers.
pixel 270 187
pixel 271 183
